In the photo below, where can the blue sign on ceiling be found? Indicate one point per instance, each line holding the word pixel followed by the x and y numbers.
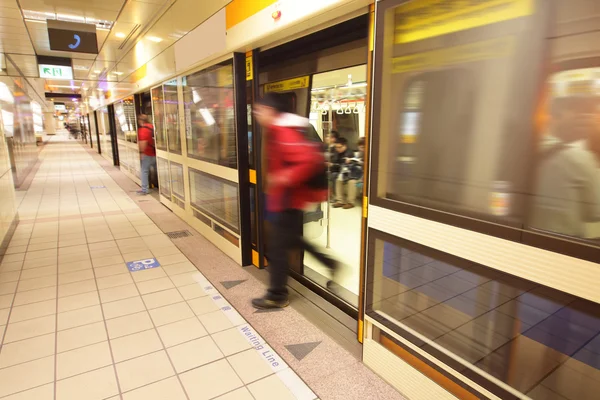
pixel 142 265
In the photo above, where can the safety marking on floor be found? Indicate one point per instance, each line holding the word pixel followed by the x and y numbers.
pixel 291 380
pixel 142 265
pixel 97 187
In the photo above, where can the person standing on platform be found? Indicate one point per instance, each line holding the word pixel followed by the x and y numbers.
pixel 294 164
pixel 147 151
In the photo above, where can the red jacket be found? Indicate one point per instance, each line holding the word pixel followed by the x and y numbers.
pixel 291 161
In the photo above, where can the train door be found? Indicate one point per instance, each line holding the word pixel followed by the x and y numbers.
pixel 324 78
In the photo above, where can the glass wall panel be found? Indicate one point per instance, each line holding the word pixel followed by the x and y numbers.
pixel 216 198
pixel 177 180
pixel 172 116
pixel 158 112
pixel 164 181
pixel 105 132
pixel 515 144
pixel 210 117
pixel 529 336
pixel 125 120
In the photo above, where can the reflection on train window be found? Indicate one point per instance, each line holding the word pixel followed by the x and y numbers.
pixel 172 116
pixel 104 132
pixel 164 180
pixel 209 115
pixel 216 198
pixel 530 336
pixel 566 198
pixel 177 180
pixel 158 112
pixel 125 120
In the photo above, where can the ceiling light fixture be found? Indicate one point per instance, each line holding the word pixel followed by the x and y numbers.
pixel 117 73
pixel 120 35
pixel 155 39
pixel 97 71
pixel 40 16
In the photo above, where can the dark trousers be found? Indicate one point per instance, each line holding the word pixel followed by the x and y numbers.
pixel 286 235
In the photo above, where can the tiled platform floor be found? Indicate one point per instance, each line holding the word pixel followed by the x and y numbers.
pixel 75 323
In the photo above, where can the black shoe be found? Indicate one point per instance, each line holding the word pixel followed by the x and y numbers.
pixel 265 304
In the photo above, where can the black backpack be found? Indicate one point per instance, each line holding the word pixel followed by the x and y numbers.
pixel 320 180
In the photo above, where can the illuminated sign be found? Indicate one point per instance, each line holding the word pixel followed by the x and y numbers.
pixel 288 85
pixel 72 37
pixel 422 19
pixel 60 107
pixel 55 71
pixel 478 51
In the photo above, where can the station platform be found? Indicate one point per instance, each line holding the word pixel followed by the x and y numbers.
pixel 80 320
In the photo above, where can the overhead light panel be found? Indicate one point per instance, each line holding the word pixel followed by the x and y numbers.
pixel 40 16
pixel 155 39
pixel 120 35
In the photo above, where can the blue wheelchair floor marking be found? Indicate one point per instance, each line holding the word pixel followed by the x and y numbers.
pixel 142 265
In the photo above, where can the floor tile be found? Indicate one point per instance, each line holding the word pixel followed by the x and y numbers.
pixel 138 344
pixel 155 285
pixel 118 293
pixel 75 288
pixel 81 336
pixel 109 244
pixel 129 324
pixel 40 262
pixel 37 283
pixel 231 341
pixel 172 313
pixel 96 385
pixel 203 305
pixel 270 388
pixel 73 257
pixel 78 301
pixel 30 328
pixel 45 392
pixel 35 255
pixel 191 292
pixel 136 255
pixel 182 331
pixel 27 350
pixel 114 281
pixel 6 277
pixel 4 315
pixel 8 288
pixel 180 268
pixel 77 276
pixel 144 370
pixel 34 296
pixel 188 278
pixel 34 310
pixel 80 317
pixel 64 268
pixel 172 259
pixel 82 360
pixel 120 308
pixel 39 272
pixel 148 274
pixel 210 381
pixel 41 246
pixel 6 301
pixel 11 266
pixel 250 366
pixel 106 261
pixel 116 269
pixel 215 322
pixel 169 388
pixel 26 376
pixel 161 299
pixel 193 354
pixel 239 394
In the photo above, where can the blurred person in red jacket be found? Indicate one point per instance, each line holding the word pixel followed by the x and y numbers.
pixel 147 151
pixel 296 178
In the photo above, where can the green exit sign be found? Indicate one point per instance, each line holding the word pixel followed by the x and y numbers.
pixel 55 71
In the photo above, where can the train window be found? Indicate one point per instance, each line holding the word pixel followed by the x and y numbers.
pixel 210 115
pixel 469 124
pixel 172 116
pixel 158 113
